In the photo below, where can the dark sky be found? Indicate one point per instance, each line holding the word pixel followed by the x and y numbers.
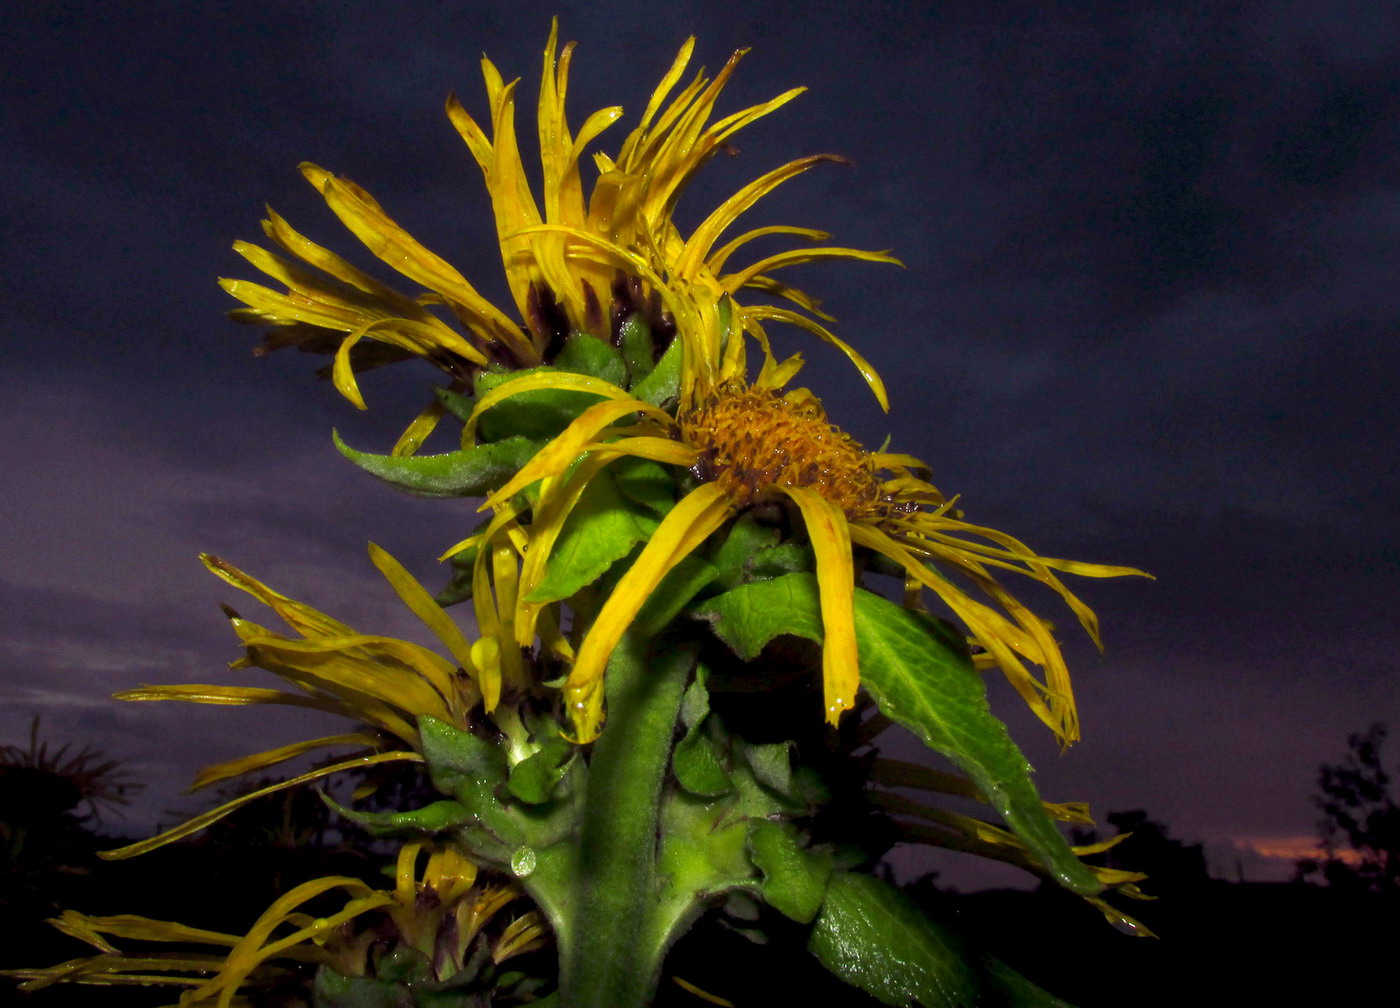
pixel 1148 318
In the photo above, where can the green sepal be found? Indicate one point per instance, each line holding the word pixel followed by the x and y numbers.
pixel 460 406
pixel 471 770
pixel 919 673
pixel 663 384
pixel 601 529
pixel 875 938
pixel 794 878
pixel 585 354
pixel 430 819
pixel 638 350
pixel 771 764
pixel 332 990
pixel 540 414
pixel 695 759
pixel 534 779
pixel 462 584
pixel 470 472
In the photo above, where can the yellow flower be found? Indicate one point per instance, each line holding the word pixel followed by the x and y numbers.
pixel 754 444
pixel 572 263
pixel 382 682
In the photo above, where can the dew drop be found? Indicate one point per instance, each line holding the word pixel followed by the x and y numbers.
pixel 522 862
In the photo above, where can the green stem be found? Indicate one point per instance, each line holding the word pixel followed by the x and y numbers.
pixel 615 945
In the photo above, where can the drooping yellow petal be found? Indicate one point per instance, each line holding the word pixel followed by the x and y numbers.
pixel 251 949
pixel 717 259
pixel 232 696
pixel 680 533
pixel 388 241
pixel 829 532
pixel 867 371
pixel 204 819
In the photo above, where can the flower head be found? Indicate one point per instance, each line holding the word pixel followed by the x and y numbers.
pixel 384 683
pixel 440 921
pixel 747 445
pixel 575 260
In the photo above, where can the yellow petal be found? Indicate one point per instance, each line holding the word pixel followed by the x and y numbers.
pixel 204 819
pixel 680 533
pixel 867 371
pixel 697 246
pixel 830 534
pixel 556 456
pixel 301 618
pixel 217 772
pixel 561 380
pixel 416 597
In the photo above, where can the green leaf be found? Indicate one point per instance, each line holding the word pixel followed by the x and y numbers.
pixel 600 530
pixel 663 384
pixel 645 482
pixel 539 414
pixel 585 354
pixel 875 938
pixel 638 350
pixel 794 878
pixel 1016 991
pixel 749 616
pixel 918 671
pixel 753 551
pixel 471 472
pixel 333 990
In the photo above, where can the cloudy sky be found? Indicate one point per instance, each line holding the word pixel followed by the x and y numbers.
pixel 1147 318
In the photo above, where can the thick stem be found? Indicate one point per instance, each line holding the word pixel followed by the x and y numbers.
pixel 615 946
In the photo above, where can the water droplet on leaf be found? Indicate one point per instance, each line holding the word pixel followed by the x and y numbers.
pixel 522 862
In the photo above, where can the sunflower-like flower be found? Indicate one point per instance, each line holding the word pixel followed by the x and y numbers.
pixel 751 444
pixel 573 263
pixel 439 916
pixel 383 683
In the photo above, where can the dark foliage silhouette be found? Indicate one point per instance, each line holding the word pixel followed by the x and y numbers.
pixel 1360 831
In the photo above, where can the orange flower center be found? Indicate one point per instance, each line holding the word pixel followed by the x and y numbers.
pixel 755 442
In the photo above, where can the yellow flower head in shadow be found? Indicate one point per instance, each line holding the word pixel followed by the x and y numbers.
pixel 441 910
pixel 575 259
pixel 384 683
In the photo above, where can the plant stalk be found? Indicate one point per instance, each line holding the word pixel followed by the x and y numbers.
pixel 615 944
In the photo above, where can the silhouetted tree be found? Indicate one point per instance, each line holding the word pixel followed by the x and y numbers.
pixel 1360 833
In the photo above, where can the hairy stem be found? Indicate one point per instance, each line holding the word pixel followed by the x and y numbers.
pixel 616 945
